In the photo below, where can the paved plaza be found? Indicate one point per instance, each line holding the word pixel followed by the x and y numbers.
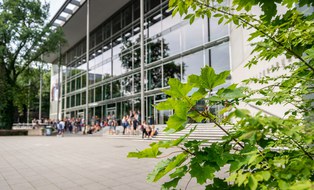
pixel 80 162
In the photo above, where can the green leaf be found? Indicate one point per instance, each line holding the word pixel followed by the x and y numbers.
pixel 178 89
pixel 162 169
pixel 172 183
pixel 202 173
pixel 252 182
pixel 152 152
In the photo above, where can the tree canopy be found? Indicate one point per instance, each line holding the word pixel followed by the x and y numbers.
pixel 25 35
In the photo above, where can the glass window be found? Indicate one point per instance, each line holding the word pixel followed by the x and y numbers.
pixel 68 102
pixel 126 107
pixel 216 30
pixel 83 98
pixel 98 94
pixel 127 16
pixel 107 31
pixel 153 51
pixel 170 21
pixel 126 61
pixel 68 87
pixel 91 96
pixel 78 82
pixel 116 23
pixel 118 68
pixel 192 35
pixel 171 43
pixel 99 34
pixel 154 24
pixel 126 86
pixel 83 80
pixel 63 89
pixel 91 77
pixel 78 99
pixel 151 4
pixel 137 83
pixel 192 64
pixel 73 85
pixel 73 101
pixel 137 58
pixel 172 70
pixel 107 91
pixel 218 57
pixel 116 89
pixel 154 78
pixel 136 9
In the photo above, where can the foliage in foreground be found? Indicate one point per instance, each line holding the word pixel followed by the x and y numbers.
pixel 261 152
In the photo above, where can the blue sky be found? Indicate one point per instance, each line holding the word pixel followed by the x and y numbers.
pixel 54 6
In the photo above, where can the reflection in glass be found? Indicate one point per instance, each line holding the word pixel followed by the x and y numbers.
pixel 172 41
pixel 106 91
pixel 78 99
pixel 116 89
pixel 192 36
pixel 68 87
pixel 83 98
pixel 98 94
pixel 192 64
pixel 78 83
pixel 83 80
pixel 154 78
pixel 153 50
pixel 73 85
pixel 216 30
pixel 73 101
pixel 172 70
pixel 137 83
pixel 218 57
pixel 126 107
pixel 126 85
pixel 91 96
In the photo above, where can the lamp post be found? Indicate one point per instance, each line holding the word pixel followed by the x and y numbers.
pixel 142 58
pixel 87 60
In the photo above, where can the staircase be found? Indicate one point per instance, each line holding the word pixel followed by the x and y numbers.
pixel 208 131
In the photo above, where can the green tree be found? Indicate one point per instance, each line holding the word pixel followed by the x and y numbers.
pixel 25 35
pixel 261 151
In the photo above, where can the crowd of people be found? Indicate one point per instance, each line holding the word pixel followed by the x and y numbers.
pixel 131 124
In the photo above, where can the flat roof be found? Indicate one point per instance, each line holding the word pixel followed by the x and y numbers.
pixel 72 19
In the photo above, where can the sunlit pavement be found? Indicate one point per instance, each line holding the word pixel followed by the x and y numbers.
pixel 78 162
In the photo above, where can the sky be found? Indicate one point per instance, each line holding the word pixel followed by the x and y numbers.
pixel 54 6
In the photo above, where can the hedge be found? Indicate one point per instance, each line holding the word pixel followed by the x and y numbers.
pixel 13 132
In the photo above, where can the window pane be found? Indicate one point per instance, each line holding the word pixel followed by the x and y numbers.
pixel 78 99
pixel 153 51
pixel 78 83
pixel 192 64
pixel 73 85
pixel 219 57
pixel 126 86
pixel 73 101
pixel 192 35
pixel 98 94
pixel 83 98
pixel 116 89
pixel 91 96
pixel 137 83
pixel 217 30
pixel 154 78
pixel 172 70
pixel 106 91
pixel 171 43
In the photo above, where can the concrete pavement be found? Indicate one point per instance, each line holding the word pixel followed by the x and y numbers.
pixel 77 162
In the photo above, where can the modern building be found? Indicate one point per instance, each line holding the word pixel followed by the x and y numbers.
pixel 173 49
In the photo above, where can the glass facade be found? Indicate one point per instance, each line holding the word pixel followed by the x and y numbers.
pixel 173 49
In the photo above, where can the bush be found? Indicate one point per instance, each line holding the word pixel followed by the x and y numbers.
pixel 13 132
